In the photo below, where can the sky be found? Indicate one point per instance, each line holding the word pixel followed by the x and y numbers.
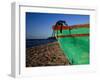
pixel 39 25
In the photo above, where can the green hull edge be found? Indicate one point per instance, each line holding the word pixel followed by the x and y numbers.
pixel 76 49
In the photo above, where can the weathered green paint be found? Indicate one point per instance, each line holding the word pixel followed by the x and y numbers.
pixel 76 49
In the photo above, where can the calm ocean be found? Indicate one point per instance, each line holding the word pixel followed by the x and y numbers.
pixel 36 42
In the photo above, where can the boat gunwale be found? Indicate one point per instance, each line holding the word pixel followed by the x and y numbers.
pixel 71 27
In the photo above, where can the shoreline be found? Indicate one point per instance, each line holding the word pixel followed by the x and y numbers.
pixel 48 54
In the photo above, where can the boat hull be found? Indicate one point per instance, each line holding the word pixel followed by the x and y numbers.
pixel 75 44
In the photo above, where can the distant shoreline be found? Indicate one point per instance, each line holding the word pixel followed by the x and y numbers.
pixel 36 42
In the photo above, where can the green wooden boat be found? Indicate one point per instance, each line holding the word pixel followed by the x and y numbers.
pixel 74 41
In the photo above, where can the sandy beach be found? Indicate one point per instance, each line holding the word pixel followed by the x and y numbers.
pixel 45 55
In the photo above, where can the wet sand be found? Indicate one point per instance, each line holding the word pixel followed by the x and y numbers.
pixel 45 55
